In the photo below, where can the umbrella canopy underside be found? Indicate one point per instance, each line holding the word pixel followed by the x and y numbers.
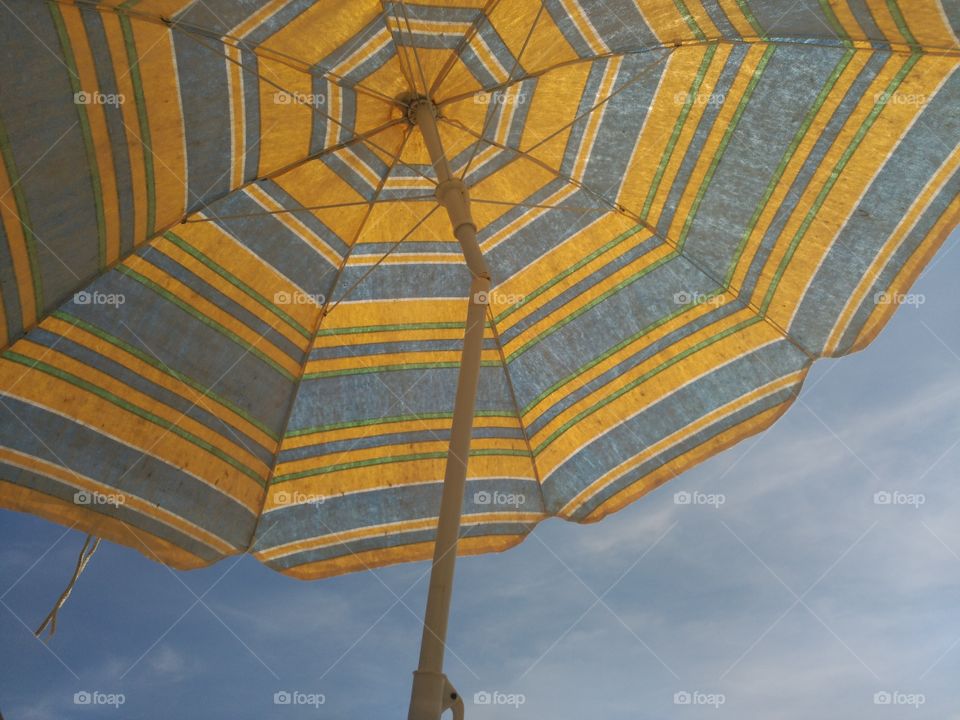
pixel 232 315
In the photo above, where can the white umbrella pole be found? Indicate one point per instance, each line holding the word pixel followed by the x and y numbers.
pixel 432 693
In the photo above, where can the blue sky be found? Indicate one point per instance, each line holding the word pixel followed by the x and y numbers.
pixel 797 596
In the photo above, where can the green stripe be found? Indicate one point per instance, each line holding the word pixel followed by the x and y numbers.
pixel 153 362
pixel 392 459
pixel 835 23
pixel 785 161
pixel 593 303
pixel 834 175
pixel 569 271
pixel 392 368
pixel 392 419
pixel 129 407
pixel 642 379
pixel 690 20
pixel 93 167
pixel 748 14
pixel 391 328
pixel 23 215
pixel 615 349
pixel 134 63
pixel 186 307
pixel 678 128
pixel 728 133
pixel 236 282
pixel 902 25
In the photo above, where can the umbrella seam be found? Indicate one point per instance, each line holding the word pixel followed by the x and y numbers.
pixel 316 331
pixel 812 42
pixel 516 407
pixel 236 42
pixel 618 208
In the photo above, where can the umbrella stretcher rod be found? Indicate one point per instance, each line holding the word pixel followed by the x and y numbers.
pixel 432 693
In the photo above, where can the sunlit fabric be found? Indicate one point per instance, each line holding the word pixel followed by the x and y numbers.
pixel 682 204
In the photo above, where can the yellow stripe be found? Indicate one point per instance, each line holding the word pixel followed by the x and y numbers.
pixel 584 27
pixel 120 389
pixel 778 199
pixel 930 191
pixel 388 529
pixel 238 118
pixel 18 251
pixel 687 461
pixel 398 473
pixel 133 502
pixel 22 499
pixel 136 432
pixel 610 74
pixel 588 295
pixel 613 414
pixel 731 101
pixel 131 124
pixel 404 426
pixel 908 273
pixel 212 311
pixel 678 437
pixel 868 160
pixel 148 372
pixel 96 115
pixel 292 223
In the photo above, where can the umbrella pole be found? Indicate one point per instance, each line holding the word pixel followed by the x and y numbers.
pixel 432 693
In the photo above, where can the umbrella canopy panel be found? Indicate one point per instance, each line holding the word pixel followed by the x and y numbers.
pixel 231 313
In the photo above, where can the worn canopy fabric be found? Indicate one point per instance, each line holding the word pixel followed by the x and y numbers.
pixel 232 317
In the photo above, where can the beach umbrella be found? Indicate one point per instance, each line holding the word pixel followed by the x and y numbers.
pixel 272 272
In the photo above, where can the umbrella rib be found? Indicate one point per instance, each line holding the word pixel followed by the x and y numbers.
pixel 892 49
pixel 636 78
pixel 492 112
pixel 633 217
pixel 304 208
pixel 401 56
pixel 483 14
pixel 516 404
pixel 316 329
pixel 383 257
pixel 310 107
pixel 205 205
pixel 413 46
pixel 238 42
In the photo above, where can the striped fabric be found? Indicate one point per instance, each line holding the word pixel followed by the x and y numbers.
pixel 231 313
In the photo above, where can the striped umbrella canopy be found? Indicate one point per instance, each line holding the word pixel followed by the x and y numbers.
pixel 232 314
